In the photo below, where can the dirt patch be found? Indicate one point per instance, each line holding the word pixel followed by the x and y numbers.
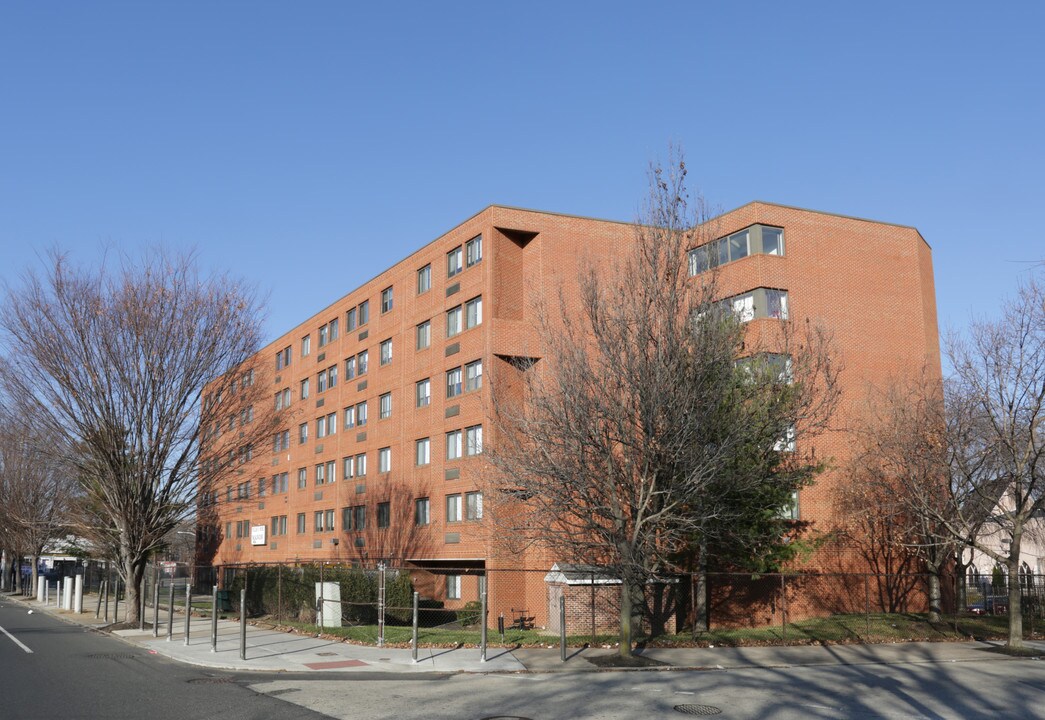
pixel 631 661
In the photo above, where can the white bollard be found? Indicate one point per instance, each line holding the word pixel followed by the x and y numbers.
pixel 78 595
pixel 40 584
pixel 67 594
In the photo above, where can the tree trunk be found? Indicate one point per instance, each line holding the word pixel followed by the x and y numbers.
pixel 935 596
pixel 133 573
pixel 35 561
pixel 962 584
pixel 1015 614
pixel 3 570
pixel 625 619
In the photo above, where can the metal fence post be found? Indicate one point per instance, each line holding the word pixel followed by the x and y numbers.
pixel 381 604
pixel 98 609
pixel 116 604
pixel 106 586
pixel 279 593
pixel 188 609
pixel 156 601
pixel 482 618
pixel 593 609
pixel 413 637
pixel 867 605
pixel 243 624
pixel 214 620
pixel 562 626
pixel 783 608
pixel 141 601
pixel 321 607
pixel 170 611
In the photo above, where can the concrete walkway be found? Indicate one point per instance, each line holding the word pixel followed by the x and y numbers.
pixel 272 650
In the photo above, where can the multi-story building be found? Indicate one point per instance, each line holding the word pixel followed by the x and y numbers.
pixel 389 387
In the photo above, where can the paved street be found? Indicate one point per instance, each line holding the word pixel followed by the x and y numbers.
pixel 70 671
pixel 77 672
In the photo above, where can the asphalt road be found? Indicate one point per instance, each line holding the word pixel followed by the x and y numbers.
pixel 78 674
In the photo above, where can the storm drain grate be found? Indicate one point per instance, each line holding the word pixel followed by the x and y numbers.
pixel 212 681
pixel 112 656
pixel 702 710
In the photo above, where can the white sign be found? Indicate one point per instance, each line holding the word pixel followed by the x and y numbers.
pixel 257 534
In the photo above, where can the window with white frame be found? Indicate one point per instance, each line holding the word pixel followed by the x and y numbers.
pixel 301 523
pixel 473 375
pixel 364 312
pixel 473 506
pixel 362 361
pixel 304 389
pixel 423 392
pixel 453 321
pixel 473 313
pixel 423 451
pixel 386 299
pixel 453 508
pixel 424 279
pixel 361 465
pixel 453 587
pixel 321 474
pixel 302 478
pixel 473 251
pixel 473 440
pixel 303 433
pixel 351 320
pixel 385 406
pixel 348 468
pixel 350 368
pixel 453 262
pixel 453 382
pixel 306 345
pixel 386 351
pixel 453 445
pixel 384 460
pixel 424 335
pixel 350 417
pixel 361 414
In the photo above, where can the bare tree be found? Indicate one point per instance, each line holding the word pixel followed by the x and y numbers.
pixel 116 361
pixel 36 488
pixel 640 435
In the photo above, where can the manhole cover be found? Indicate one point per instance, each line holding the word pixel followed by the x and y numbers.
pixel 703 710
pixel 212 681
pixel 112 656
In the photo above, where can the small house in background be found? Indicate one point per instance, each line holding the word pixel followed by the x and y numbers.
pixel 592 597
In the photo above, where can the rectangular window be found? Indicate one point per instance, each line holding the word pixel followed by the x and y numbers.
pixel 421 508
pixel 453 382
pixel 424 279
pixel 453 445
pixel 361 465
pixel 362 360
pixel 473 250
pixel 473 375
pixel 423 392
pixel 329 514
pixel 350 417
pixel 386 351
pixel 350 368
pixel 473 440
pixel 321 474
pixel 306 345
pixel 384 460
pixel 282 359
pixel 361 414
pixel 350 320
pixel 384 515
pixel 453 262
pixel 423 448
pixel 301 523
pixel 303 433
pixel 386 299
pixel 304 389
pixel 348 468
pixel 364 312
pixel 772 241
pixel 261 487
pixel 282 482
pixel 424 335
pixel 317 521
pixel 453 508
pixel 321 382
pixel 776 304
pixel 453 321
pixel 346 519
pixel 321 427
pixel 453 587
pixel 473 506
pixel 302 478
pixel 359 517
pixel 385 406
pixel 473 312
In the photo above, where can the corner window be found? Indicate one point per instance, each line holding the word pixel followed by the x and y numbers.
pixel 754 240
pixel 473 312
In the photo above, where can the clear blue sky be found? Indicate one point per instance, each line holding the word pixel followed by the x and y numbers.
pixel 278 138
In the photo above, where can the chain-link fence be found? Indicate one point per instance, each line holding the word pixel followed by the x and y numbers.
pixel 449 606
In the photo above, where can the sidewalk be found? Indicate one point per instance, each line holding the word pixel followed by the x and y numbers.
pixel 272 650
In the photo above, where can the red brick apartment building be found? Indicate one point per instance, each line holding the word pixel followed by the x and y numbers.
pixel 389 387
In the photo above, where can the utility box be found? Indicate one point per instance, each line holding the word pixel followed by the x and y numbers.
pixel 328 604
